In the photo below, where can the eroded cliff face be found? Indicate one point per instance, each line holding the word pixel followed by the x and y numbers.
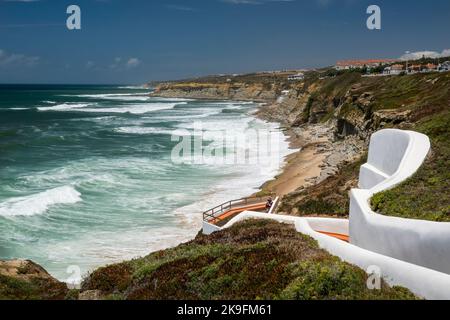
pixel 352 109
pixel 337 116
pixel 353 105
pixel 358 106
pixel 219 91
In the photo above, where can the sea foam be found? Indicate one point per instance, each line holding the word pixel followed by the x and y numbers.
pixel 64 107
pixel 113 96
pixel 134 108
pixel 143 130
pixel 39 203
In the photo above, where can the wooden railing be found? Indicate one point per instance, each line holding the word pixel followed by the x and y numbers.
pixel 215 212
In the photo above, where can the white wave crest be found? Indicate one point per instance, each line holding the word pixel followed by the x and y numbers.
pixel 172 99
pixel 114 96
pixel 64 107
pixel 143 130
pixel 40 202
pixel 134 87
pixel 133 109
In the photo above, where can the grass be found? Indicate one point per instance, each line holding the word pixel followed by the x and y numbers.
pixel 253 260
pixel 426 196
pixel 34 289
pixel 328 198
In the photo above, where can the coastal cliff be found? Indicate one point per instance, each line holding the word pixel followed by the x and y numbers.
pixel 261 87
pixel 331 119
pixel 225 91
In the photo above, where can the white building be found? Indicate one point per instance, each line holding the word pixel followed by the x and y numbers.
pixel 443 67
pixel 395 69
pixel 296 77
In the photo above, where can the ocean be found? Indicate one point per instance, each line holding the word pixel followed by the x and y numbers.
pixel 88 177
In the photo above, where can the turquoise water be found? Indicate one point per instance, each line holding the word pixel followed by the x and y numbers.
pixel 87 176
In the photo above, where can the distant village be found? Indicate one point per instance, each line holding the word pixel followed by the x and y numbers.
pixel 393 67
pixel 385 67
pixel 368 68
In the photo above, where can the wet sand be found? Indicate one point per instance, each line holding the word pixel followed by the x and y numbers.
pixel 301 166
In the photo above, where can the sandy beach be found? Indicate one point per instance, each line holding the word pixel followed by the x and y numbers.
pixel 304 165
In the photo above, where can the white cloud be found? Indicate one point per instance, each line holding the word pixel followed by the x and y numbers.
pixel 445 53
pixel 120 63
pixel 17 59
pixel 133 62
pixel 427 54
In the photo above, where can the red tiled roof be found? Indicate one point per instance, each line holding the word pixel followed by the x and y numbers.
pixel 397 67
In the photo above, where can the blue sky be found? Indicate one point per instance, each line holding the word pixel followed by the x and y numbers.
pixel 134 41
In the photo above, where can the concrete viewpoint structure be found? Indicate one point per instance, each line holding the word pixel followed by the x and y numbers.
pixel 411 253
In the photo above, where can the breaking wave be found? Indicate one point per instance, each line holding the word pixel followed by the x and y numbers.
pixel 39 203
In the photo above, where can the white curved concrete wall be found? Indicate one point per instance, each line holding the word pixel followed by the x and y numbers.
pixel 423 282
pixel 398 155
pixel 424 243
pixel 209 228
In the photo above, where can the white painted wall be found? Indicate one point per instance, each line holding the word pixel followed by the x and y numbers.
pixel 209 228
pixel 424 243
pixel 423 282
pixel 397 154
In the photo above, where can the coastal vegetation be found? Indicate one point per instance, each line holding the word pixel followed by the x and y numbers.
pixel 25 280
pixel 255 259
pixel 252 260
pixel 426 195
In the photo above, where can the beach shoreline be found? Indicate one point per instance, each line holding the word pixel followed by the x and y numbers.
pixel 304 165
pixel 301 166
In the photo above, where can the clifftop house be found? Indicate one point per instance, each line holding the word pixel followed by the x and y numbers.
pixel 444 66
pixel 395 69
pixel 296 77
pixel 429 67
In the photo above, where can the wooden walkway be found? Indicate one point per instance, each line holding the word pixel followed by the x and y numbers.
pixel 342 237
pixel 228 215
pixel 222 214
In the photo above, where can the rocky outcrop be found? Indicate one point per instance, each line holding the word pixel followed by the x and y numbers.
pixel 218 91
pixel 24 270
pixel 91 295
pixel 24 279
